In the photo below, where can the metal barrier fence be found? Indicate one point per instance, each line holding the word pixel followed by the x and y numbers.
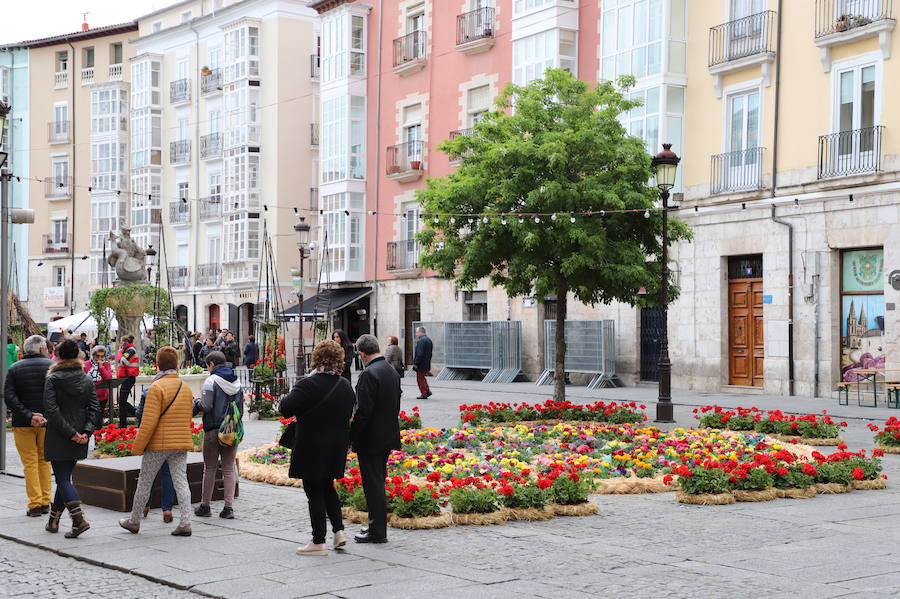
pixel 590 349
pixel 464 347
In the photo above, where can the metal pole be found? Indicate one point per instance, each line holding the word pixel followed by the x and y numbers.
pixel 664 411
pixel 4 298
pixel 300 364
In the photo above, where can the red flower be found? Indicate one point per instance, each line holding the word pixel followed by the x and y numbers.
pixel 781 471
pixel 120 446
pixel 544 483
pixel 809 470
pixel 433 477
pixel 574 477
pixel 506 490
pixel 667 479
pixel 858 474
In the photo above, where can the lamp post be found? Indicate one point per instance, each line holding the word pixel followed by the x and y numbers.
pixel 303 229
pixel 4 269
pixel 665 164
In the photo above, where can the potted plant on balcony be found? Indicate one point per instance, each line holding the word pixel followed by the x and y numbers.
pixel 842 23
pixel 205 71
pixel 393 169
pixel 860 20
pixel 415 164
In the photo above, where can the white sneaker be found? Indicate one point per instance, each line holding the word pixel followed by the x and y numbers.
pixel 340 539
pixel 313 549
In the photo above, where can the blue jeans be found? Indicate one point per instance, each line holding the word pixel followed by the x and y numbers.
pixel 65 490
pixel 168 488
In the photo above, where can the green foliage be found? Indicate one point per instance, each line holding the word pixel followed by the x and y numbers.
pixel 356 500
pixel 757 479
pixel 562 150
pixel 526 496
pixel 794 479
pixel 871 467
pixel 569 489
pixel 416 505
pixel 472 500
pixel 131 298
pixel 834 472
pixel 702 480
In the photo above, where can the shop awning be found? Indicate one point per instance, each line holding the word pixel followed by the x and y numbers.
pixel 328 300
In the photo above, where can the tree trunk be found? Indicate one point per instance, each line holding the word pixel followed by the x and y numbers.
pixel 559 369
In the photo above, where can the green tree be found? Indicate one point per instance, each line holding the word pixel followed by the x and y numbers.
pixel 554 146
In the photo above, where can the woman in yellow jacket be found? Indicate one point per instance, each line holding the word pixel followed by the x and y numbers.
pixel 164 436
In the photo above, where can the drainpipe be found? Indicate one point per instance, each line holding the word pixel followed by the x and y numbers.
pixel 374 303
pixel 196 172
pixel 790 299
pixel 777 99
pixel 71 231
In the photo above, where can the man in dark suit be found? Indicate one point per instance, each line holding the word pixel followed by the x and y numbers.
pixel 422 362
pixel 375 432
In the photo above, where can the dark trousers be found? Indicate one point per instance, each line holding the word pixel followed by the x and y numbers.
pixel 424 389
pixel 125 409
pixel 373 469
pixel 65 490
pixel 323 501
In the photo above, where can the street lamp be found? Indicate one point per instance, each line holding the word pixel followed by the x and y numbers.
pixel 4 265
pixel 303 230
pixel 665 164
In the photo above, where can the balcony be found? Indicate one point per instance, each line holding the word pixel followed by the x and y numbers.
pixel 60 80
pixel 180 152
pixel 742 43
pixel 211 209
pixel 178 276
pixel 211 146
pixel 409 53
pixel 243 271
pixel 315 64
pixel 58 132
pixel 843 21
pixel 405 162
pixel 211 82
pixel 180 91
pixel 55 244
pixel 179 213
pixel 475 31
pixel 853 152
pixel 87 75
pixel 314 135
pixel 456 159
pixel 403 257
pixel 115 72
pixel 208 275
pixel 736 171
pixel 58 188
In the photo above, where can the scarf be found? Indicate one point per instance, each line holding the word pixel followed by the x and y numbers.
pixel 336 371
pixel 94 372
pixel 158 376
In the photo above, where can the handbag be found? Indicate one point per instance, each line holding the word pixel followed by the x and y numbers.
pixel 231 431
pixel 288 438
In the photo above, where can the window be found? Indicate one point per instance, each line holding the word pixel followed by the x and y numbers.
pixel 5 84
pixel 241 53
pixel 108 165
pixel 104 218
pixel 743 121
pixel 145 189
pixel 241 115
pixel 632 38
pixel 186 16
pixel 478 102
pixel 357 137
pixel 525 5
pixel 58 230
pixel 115 53
pixel 241 180
pixel 533 55
pixel 59 276
pixel 61 116
pixel 415 18
pixel 214 58
pixel 342 235
pixel 357 45
pixel 157 26
pixel 60 167
pixel 658 119
pixel 183 190
pixel 855 110
pixel 108 110
pixel 333 144
pixel 146 138
pixel 412 131
pixel 182 128
pixel 145 84
pixel 62 62
pixel 342 47
pixel 87 58
pixel 101 273
pixel 476 305
pixel 643 121
pixel 215 188
pixel 241 238
pixel 213 248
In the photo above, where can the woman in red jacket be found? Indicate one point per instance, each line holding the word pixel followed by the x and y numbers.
pixel 128 368
pixel 99 370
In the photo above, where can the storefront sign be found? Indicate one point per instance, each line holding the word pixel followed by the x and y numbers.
pixel 54 297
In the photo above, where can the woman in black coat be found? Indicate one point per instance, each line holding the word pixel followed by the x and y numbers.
pixel 323 405
pixel 71 409
pixel 341 338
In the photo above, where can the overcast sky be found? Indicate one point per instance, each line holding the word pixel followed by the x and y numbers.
pixel 29 19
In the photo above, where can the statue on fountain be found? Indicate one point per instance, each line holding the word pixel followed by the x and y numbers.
pixel 127 258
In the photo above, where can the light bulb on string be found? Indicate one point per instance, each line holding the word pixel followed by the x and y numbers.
pixel 452 220
pixel 603 213
pixel 646 214
pixel 572 219
pixel 436 220
pixel 503 221
pixel 553 216
pixel 521 220
pixel 537 220
pixel 485 220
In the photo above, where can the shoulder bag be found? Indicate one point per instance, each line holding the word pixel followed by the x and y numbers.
pixel 288 438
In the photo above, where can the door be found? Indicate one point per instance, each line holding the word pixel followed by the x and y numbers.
pixel 651 332
pixel 743 164
pixel 411 313
pixel 747 34
pixel 214 317
pixel 856 118
pixel 745 332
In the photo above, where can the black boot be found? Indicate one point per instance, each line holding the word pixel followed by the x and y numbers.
pixel 79 524
pixel 55 515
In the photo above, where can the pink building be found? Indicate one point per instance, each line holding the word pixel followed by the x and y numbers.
pixel 397 78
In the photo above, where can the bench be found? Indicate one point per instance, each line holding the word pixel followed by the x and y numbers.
pixel 893 394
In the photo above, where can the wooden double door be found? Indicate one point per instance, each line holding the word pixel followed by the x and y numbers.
pixel 746 340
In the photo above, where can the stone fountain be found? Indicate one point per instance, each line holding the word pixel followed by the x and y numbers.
pixel 127 258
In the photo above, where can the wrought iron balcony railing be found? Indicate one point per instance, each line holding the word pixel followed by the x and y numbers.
pixel 736 171
pixel 58 187
pixel 210 209
pixel 58 131
pixel 741 38
pixel 852 152
pixel 314 134
pixel 835 16
pixel 211 82
pixel 475 25
pixel 180 151
pixel 178 276
pixel 55 244
pixel 179 213
pixel 211 145
pixel 315 62
pixel 405 157
pixel 409 48
pixel 180 91
pixel 402 255
pixel 208 275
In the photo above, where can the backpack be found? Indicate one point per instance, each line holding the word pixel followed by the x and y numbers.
pixel 231 431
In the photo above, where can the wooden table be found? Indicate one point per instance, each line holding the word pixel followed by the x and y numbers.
pixel 110 483
pixel 871 375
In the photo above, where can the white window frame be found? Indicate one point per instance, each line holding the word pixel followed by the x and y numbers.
pixel 856 63
pixel 59 276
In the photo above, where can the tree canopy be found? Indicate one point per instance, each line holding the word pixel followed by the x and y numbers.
pixel 553 147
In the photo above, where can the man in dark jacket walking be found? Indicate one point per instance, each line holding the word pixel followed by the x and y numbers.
pixel 422 361
pixel 24 395
pixel 375 432
pixel 251 353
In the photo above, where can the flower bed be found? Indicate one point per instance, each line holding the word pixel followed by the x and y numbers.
pixel 887 437
pixel 267 464
pixel 552 411
pixel 810 429
pixel 113 441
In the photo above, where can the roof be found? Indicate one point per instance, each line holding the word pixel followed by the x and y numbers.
pixel 76 36
pixel 326 5
pixel 164 9
pixel 329 300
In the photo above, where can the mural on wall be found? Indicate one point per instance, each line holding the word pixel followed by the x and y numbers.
pixel 862 312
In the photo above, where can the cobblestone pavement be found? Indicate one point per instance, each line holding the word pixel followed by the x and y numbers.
pixel 28 572
pixel 638 547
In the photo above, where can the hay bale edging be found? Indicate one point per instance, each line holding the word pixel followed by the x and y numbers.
pixel 797 493
pixel 756 495
pixel 705 498
pixel 442 520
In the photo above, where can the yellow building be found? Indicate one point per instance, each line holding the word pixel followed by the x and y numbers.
pixel 78 161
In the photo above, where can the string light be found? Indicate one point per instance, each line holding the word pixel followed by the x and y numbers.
pixel 537 220
pixel 503 221
pixel 553 216
pixel 485 220
pixel 646 214
pixel 572 219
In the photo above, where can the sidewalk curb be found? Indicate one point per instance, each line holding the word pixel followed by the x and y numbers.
pixel 107 566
